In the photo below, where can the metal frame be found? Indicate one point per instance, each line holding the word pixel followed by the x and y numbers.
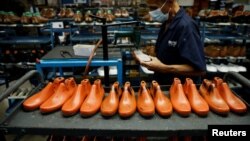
pixel 80 63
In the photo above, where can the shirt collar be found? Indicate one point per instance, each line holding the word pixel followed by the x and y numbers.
pixel 177 17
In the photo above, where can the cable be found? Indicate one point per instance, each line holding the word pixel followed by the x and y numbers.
pixel 90 58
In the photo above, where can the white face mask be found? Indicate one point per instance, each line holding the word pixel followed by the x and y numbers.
pixel 157 14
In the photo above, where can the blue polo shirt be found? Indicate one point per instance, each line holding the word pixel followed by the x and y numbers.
pixel 180 44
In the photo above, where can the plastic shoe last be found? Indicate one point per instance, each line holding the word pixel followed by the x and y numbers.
pixel 87 17
pixel 145 103
pixel 211 68
pixel 162 103
pixel 127 104
pixel 69 13
pixel 214 100
pixel 26 18
pixel 93 102
pixel 178 98
pixel 78 17
pixel 37 99
pixel 124 13
pixel 50 13
pixel 198 104
pixel 110 104
pixel 63 93
pixel 73 105
pixel 37 18
pixel 62 13
pixel 234 103
pixel 11 18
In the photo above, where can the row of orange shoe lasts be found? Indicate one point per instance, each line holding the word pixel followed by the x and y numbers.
pixel 212 95
pixel 71 97
pixel 66 94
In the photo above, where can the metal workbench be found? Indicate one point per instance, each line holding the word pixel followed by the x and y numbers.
pixel 21 122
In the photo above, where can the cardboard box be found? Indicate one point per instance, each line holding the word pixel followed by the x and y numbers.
pixel 83 50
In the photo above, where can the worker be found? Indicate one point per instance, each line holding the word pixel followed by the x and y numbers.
pixel 179 48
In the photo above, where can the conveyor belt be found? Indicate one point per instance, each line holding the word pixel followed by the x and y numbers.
pixel 34 122
pixel 55 123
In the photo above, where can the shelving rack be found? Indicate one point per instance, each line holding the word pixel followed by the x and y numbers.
pixel 208 27
pixel 11 40
pixel 29 39
pixel 227 33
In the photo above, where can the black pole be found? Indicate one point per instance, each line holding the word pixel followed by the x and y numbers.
pixel 105 42
pixel 105 51
pixel 105 47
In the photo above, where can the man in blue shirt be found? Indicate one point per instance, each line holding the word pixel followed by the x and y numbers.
pixel 179 49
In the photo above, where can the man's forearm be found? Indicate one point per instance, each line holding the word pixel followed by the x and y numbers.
pixel 181 69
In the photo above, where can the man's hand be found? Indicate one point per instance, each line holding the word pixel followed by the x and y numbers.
pixel 154 65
